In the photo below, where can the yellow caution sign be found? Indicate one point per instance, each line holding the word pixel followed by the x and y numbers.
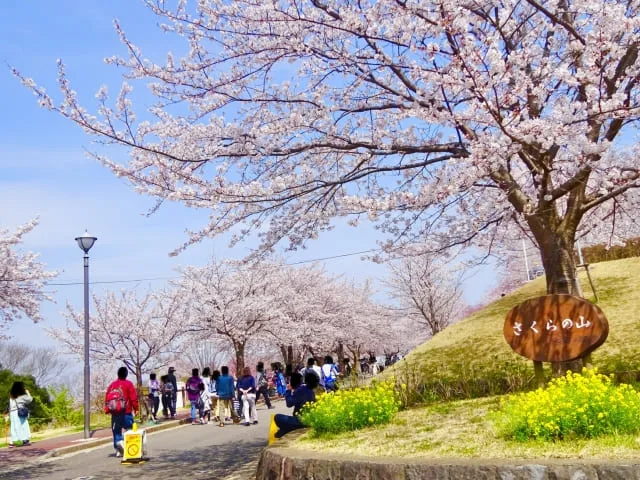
pixel 273 428
pixel 133 445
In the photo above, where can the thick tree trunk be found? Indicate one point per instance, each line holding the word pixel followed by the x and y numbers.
pixel 239 348
pixel 144 408
pixel 557 252
pixel 340 352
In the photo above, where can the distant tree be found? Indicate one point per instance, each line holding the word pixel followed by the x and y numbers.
pixel 22 278
pixel 141 333
pixel 200 350
pixel 230 303
pixel 426 291
pixel 45 364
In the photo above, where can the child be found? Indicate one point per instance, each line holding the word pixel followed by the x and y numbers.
pixel 154 395
pixel 204 404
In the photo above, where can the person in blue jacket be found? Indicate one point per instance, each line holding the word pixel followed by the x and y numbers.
pixel 226 393
pixel 297 395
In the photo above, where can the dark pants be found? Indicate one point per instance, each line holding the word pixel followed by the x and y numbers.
pixel 118 422
pixel 286 424
pixel 166 403
pixel 155 404
pixel 264 390
pixel 172 405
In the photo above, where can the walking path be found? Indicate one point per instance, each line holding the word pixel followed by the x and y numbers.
pixel 56 446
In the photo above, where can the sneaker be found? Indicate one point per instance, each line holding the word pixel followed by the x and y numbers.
pixel 221 424
pixel 236 420
pixel 255 422
pixel 247 424
pixel 11 445
pixel 120 447
pixel 118 454
pixel 26 443
pixel 216 419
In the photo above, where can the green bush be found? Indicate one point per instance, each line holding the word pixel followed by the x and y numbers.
pixel 39 408
pixel 350 409
pixel 576 406
pixel 62 409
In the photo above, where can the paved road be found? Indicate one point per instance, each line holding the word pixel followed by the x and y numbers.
pixel 194 452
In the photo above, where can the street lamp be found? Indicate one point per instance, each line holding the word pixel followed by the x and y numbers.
pixel 85 242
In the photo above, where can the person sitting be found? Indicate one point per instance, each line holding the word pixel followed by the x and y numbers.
pixel 297 395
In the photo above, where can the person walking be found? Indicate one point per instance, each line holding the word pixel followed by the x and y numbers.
pixel 206 377
pixel 214 395
pixel 154 396
pixel 204 403
pixel 225 389
pixel 121 401
pixel 19 399
pixel 246 385
pixel 298 394
pixel 281 382
pixel 329 374
pixel 166 390
pixel 262 384
pixel 193 392
pixel 174 394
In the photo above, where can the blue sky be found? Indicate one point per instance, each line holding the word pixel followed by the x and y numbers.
pixel 44 170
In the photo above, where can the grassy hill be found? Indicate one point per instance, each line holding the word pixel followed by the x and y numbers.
pixel 471 358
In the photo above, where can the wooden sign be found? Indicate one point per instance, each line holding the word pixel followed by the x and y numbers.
pixel 555 328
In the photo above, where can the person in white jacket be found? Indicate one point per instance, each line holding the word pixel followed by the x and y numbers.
pixel 19 399
pixel 204 404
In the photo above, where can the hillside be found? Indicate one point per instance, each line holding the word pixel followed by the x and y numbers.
pixel 471 358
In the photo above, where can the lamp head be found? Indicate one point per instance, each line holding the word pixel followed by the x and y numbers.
pixel 86 241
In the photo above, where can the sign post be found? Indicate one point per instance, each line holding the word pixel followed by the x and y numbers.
pixel 555 328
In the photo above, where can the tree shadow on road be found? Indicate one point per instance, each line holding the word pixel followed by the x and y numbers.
pixel 206 462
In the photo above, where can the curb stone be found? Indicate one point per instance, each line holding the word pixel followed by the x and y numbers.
pixel 57 452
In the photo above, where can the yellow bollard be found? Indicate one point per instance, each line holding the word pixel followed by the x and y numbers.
pixel 273 428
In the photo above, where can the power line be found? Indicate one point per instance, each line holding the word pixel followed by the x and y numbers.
pixel 103 282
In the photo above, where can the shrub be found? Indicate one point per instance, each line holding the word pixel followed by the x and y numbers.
pixel 351 409
pixel 579 405
pixel 62 409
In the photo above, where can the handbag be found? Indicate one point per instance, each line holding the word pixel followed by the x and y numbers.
pixel 23 412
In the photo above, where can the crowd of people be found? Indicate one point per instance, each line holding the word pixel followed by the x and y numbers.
pixel 219 398
pixel 214 396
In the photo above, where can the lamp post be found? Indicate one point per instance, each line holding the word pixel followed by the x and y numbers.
pixel 85 242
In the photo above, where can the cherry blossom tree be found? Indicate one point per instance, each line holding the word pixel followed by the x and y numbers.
pixel 231 303
pixel 428 293
pixel 22 278
pixel 448 122
pixel 141 332
pixel 309 300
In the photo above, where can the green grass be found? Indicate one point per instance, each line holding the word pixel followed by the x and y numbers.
pixel 473 355
pixel 463 430
pixel 471 359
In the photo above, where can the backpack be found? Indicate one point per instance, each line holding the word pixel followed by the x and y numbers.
pixel 262 380
pixel 200 402
pixel 330 380
pixel 115 401
pixel 212 387
pixel 168 388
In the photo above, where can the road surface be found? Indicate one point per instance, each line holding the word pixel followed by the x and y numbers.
pixel 188 451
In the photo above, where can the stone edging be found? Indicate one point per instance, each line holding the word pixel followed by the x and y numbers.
pixel 280 462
